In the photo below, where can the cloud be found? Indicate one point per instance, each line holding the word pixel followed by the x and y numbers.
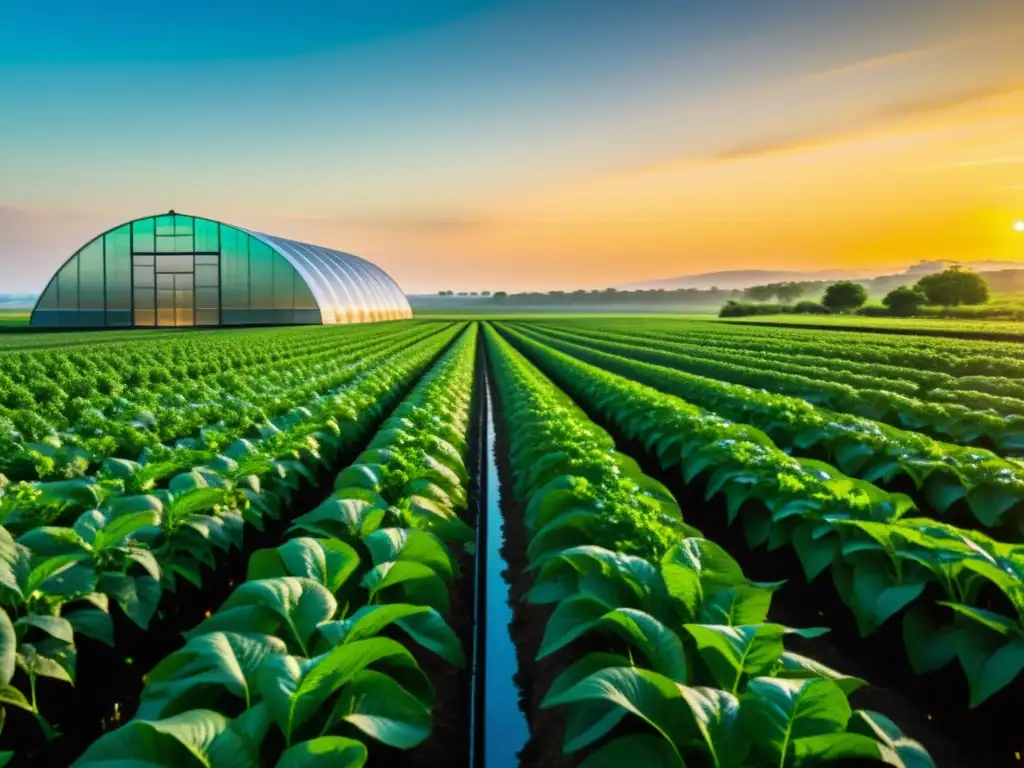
pixel 808 137
pixel 880 62
pixel 1007 160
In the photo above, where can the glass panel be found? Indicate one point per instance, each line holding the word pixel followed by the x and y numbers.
pixel 261 274
pixel 182 281
pixel 207 317
pixel 165 281
pixel 49 298
pixel 208 259
pixel 144 298
pixel 117 245
pixel 142 232
pixel 184 317
pixel 119 318
pixel 90 276
pixel 165 225
pixel 164 299
pixel 166 244
pixel 207 298
pixel 144 261
pixel 207 276
pixel 145 317
pixel 182 224
pixel 284 277
pixel 234 268
pixel 165 317
pixel 303 296
pixel 206 235
pixel 67 285
pixel 144 277
pixel 183 299
pixel 183 244
pixel 178 263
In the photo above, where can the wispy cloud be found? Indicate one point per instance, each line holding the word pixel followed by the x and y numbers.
pixel 885 61
pixel 811 136
pixel 1007 160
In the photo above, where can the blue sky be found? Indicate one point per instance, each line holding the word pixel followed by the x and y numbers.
pixel 401 130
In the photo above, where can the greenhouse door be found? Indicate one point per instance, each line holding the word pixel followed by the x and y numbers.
pixel 185 289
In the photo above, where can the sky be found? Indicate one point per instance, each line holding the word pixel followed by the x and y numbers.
pixel 526 144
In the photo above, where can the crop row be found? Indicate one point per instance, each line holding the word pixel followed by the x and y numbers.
pixel 972 484
pixel 120 427
pixel 881 560
pixel 67 550
pixel 953 420
pixel 702 667
pixel 971 393
pixel 296 661
pixel 930 354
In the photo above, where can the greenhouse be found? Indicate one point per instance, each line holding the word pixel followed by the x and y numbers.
pixel 174 270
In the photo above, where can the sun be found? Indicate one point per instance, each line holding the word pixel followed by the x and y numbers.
pixel 1019 226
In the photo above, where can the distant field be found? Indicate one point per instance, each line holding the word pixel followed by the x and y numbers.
pixel 1009 328
pixel 14 318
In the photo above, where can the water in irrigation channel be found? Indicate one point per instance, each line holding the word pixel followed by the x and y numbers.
pixel 504 726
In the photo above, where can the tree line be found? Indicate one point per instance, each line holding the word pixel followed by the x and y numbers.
pixel 951 288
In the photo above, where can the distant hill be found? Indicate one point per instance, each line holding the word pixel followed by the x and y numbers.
pixel 18 300
pixel 997 272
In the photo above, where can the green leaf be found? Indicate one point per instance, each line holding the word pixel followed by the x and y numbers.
pixel 587 721
pixel 409 545
pixel 816 554
pixel 54 626
pixel 8 648
pixel 419 582
pixel 327 561
pixel 640 750
pixel 423 624
pixel 324 752
pixel 745 604
pixel 877 726
pixel 12 697
pixel 138 596
pixel 117 530
pixel 732 651
pixel 776 712
pixel 650 696
pixel 797 667
pixel 268 605
pixel 182 741
pixel 341 518
pixel 575 617
pixel 296 689
pixel 814 750
pixel 239 745
pixel 220 659
pixel 381 708
pixel 930 646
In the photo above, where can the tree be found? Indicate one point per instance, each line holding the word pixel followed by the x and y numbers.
pixel 485 293
pixel 788 292
pixel 905 301
pixel 760 292
pixel 500 296
pixel 953 287
pixel 844 296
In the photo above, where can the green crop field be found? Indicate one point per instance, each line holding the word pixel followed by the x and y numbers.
pixel 720 544
pixel 939 326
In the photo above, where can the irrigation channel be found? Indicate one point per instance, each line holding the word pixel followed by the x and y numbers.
pixel 498 727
